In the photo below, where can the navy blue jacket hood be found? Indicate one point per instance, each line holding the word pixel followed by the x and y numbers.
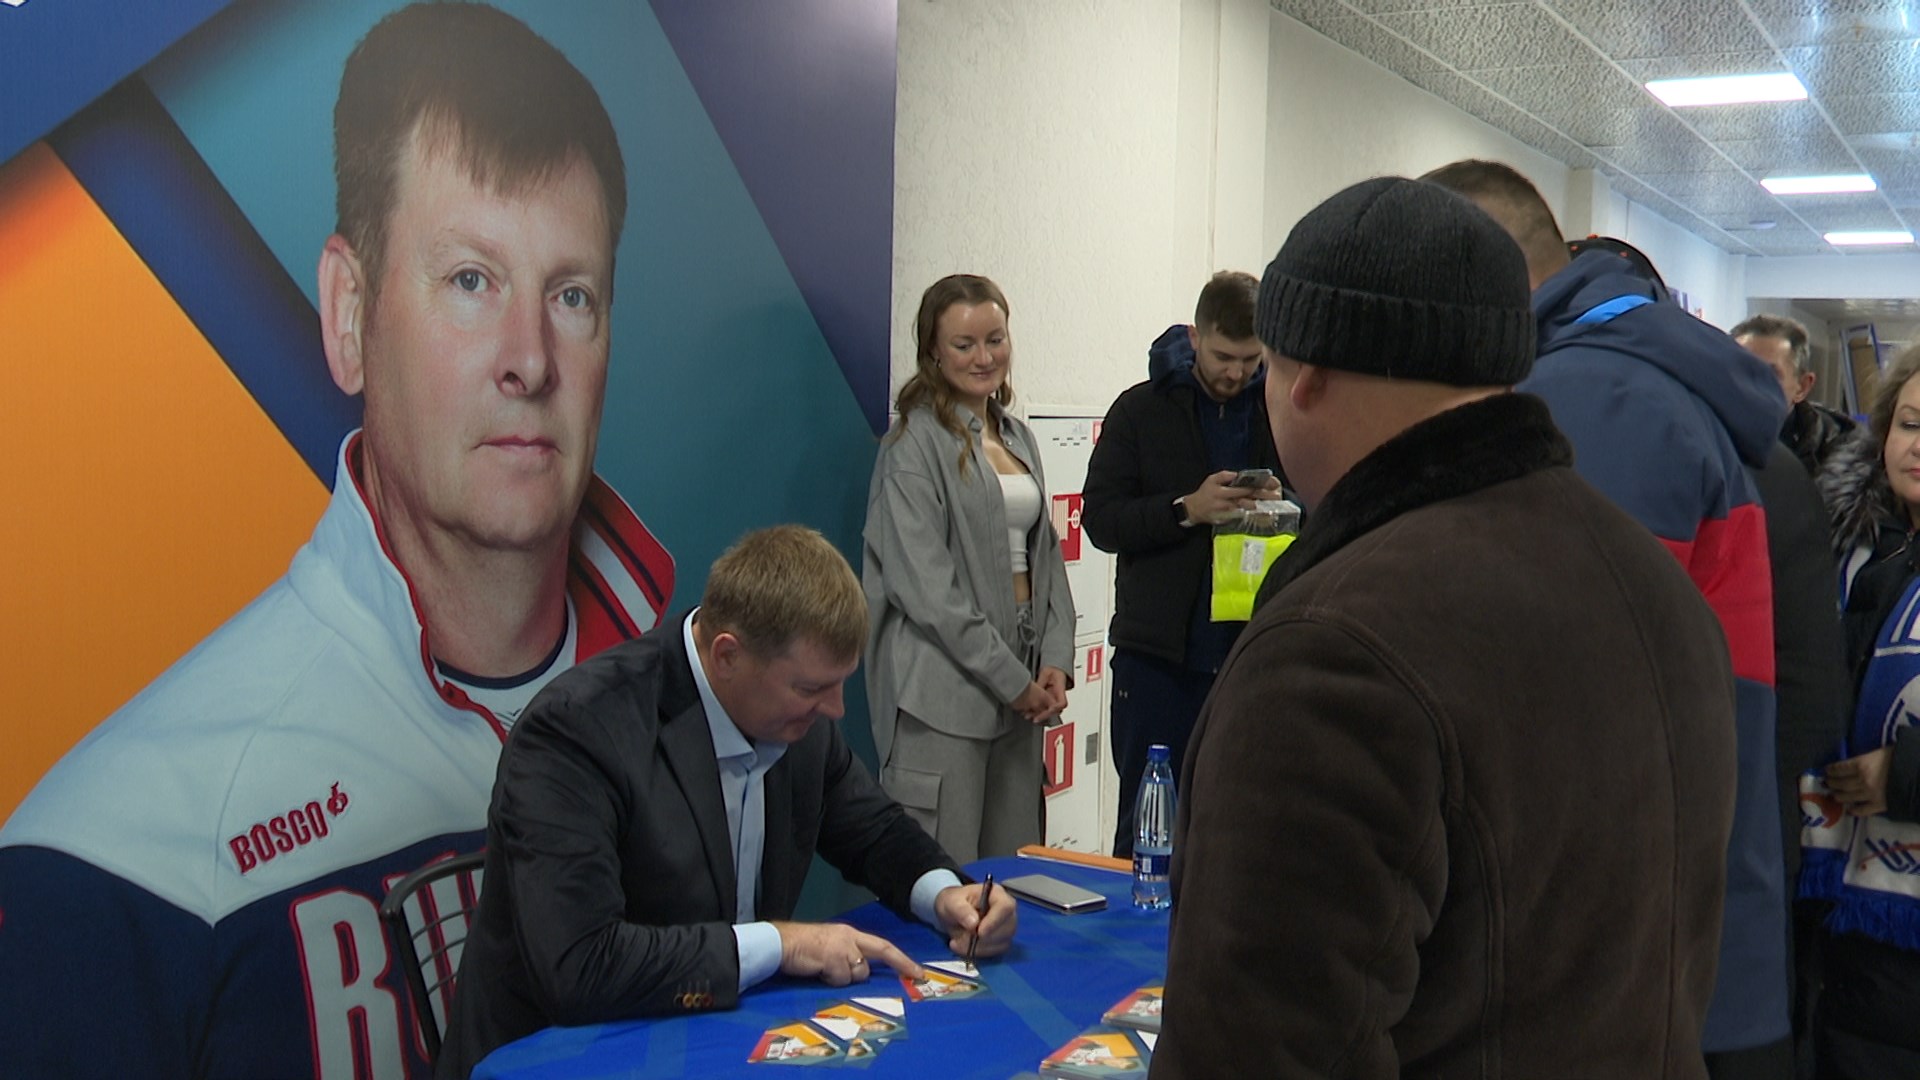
pixel 1171 357
pixel 1716 369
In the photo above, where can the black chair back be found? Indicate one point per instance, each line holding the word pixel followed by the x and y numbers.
pixel 426 915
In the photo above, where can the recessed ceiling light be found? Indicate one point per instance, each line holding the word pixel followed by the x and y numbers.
pixel 1728 89
pixel 1899 236
pixel 1819 185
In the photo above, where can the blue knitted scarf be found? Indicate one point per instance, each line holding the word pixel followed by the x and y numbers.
pixel 1870 867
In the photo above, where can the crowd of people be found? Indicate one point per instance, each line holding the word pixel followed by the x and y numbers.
pixel 1510 772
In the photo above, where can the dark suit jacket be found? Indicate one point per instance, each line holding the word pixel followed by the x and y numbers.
pixel 609 888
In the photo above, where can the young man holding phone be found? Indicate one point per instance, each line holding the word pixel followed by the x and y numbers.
pixel 1184 450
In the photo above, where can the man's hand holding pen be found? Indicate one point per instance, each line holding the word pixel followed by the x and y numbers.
pixel 978 919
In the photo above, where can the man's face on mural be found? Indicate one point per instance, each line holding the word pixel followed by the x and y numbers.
pixel 485 353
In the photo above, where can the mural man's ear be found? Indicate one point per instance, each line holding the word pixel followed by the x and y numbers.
pixel 343 312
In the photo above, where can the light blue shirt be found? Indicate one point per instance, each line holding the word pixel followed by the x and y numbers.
pixel 743 769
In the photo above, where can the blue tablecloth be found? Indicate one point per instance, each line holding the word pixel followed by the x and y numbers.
pixel 1063 972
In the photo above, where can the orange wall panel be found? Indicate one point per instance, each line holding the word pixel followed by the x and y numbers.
pixel 146 497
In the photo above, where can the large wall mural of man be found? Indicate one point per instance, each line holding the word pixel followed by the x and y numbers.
pixel 365 336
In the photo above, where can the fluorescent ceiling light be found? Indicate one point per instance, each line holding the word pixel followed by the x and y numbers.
pixel 1728 89
pixel 1819 185
pixel 1841 239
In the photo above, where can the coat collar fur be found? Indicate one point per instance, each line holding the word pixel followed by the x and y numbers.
pixel 1853 484
pixel 1458 452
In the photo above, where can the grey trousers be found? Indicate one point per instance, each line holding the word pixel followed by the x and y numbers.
pixel 980 798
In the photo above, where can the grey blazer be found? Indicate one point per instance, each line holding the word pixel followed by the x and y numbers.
pixel 938 578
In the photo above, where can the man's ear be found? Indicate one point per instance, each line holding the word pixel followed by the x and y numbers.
pixel 1309 387
pixel 726 651
pixel 1807 379
pixel 1193 338
pixel 343 312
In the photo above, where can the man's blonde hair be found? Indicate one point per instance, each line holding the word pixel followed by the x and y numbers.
pixel 776 586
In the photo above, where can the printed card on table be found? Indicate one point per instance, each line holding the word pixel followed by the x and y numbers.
pixel 1101 1051
pixel 850 1020
pixel 939 982
pixel 1139 1010
pixel 796 1043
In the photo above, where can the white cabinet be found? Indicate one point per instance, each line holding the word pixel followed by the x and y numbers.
pixel 1081 784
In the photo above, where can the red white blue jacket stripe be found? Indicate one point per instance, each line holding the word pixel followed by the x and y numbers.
pixel 1665 413
pixel 193 889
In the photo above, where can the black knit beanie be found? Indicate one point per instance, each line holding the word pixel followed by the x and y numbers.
pixel 1405 279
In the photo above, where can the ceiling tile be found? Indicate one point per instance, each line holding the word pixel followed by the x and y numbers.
pixel 1564 76
pixel 1690 185
pixel 1508 35
pixel 1314 12
pixel 1726 63
pixel 1384 6
pixel 1888 67
pixel 1634 31
pixel 1649 125
pixel 1725 196
pixel 1870 215
pixel 1810 156
pixel 1554 91
pixel 1771 120
pixel 1897 173
pixel 1740 207
pixel 1364 37
pixel 1691 155
pixel 1866 113
pixel 1787 242
pixel 1815 22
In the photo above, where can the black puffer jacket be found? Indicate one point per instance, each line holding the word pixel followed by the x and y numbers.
pixel 1150 453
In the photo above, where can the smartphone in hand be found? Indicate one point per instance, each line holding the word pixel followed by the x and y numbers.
pixel 1251 478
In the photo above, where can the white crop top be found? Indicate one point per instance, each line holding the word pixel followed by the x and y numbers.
pixel 1021 493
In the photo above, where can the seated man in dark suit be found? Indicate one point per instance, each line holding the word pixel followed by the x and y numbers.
pixel 656 802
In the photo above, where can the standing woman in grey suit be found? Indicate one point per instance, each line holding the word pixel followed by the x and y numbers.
pixel 971 619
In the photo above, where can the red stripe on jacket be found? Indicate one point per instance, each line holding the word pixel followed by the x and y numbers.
pixel 1728 561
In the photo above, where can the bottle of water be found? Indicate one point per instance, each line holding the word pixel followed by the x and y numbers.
pixel 1153 831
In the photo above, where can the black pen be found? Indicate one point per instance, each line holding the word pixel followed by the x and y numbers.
pixel 986 896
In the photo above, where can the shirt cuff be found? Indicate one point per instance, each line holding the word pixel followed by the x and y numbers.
pixel 926 890
pixel 759 947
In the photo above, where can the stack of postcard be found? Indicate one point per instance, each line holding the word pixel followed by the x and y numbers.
pixel 844 1033
pixel 1101 1051
pixel 1139 1010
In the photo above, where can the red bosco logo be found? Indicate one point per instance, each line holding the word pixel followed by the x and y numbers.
pixel 298 827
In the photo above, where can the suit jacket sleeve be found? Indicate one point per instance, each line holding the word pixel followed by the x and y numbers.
pixel 1309 862
pixel 1117 514
pixel 559 813
pixel 867 836
pixel 905 527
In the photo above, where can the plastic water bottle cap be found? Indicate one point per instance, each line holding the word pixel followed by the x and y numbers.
pixel 1159 752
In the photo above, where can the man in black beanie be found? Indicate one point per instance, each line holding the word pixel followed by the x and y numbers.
pixel 1459 802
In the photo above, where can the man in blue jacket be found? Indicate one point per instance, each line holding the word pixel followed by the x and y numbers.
pixel 1157 482
pixel 1665 416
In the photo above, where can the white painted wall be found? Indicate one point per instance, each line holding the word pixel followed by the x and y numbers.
pixel 1714 280
pixel 1100 158
pixel 1837 277
pixel 1335 118
pixel 1221 157
pixel 1034 144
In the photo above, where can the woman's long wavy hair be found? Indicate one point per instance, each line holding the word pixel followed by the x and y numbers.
pixel 928 386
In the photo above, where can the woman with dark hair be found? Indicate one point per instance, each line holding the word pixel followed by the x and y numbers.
pixel 1863 813
pixel 972 624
